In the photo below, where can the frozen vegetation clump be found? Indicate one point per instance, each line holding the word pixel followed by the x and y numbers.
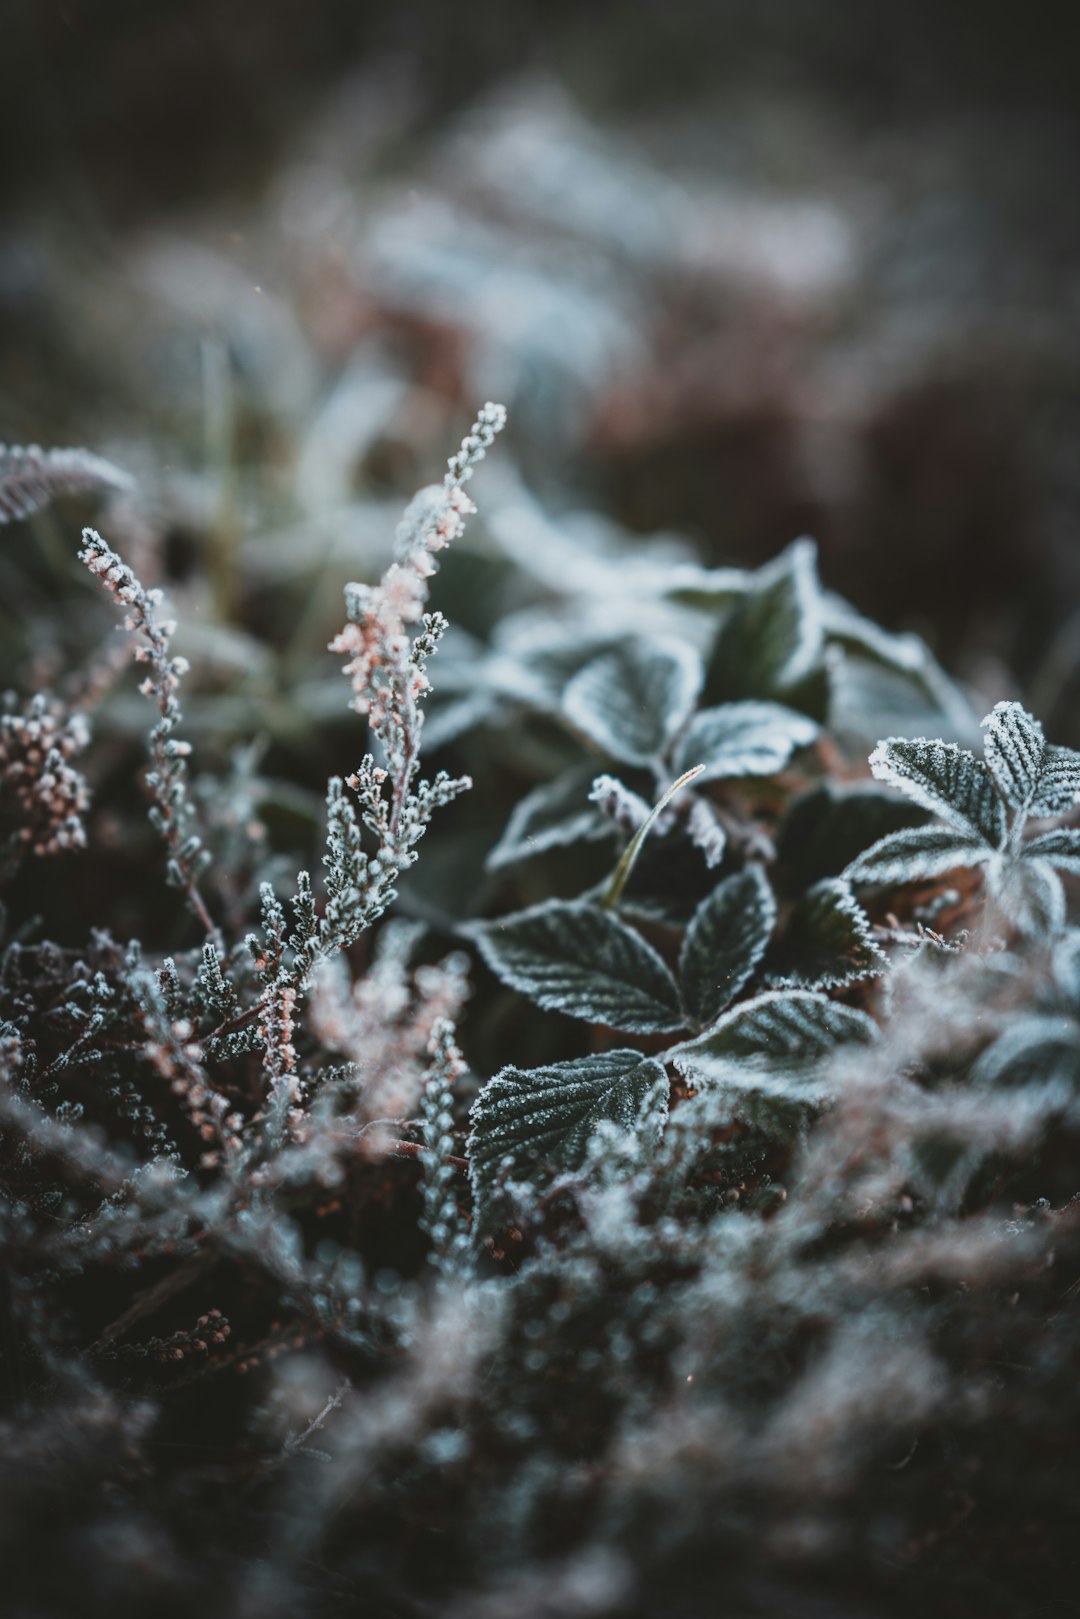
pixel 721 1257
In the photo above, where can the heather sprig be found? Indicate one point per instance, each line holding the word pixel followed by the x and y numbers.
pixel 387 667
pixel 171 809
pixel 43 797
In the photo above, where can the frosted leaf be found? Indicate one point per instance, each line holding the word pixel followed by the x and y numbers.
pixel 773 638
pixel 1067 965
pixel 830 826
pixel 553 815
pixel 1035 1049
pixel 1060 847
pixel 916 853
pixel 573 957
pixel 30 478
pixel 846 626
pixel 743 739
pixel 725 941
pixel 827 941
pixel 706 832
pixel 1029 896
pixel 626 810
pixel 539 1122
pixel 945 779
pixel 1031 775
pixel 869 700
pixel 710 588
pixel 445 721
pixel 632 699
pixel 775 1043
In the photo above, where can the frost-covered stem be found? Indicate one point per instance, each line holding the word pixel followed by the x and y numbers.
pixel 440 1219
pixel 285 1094
pixel 295 1445
pixel 387 668
pixel 1016 832
pixel 630 854
pixel 171 810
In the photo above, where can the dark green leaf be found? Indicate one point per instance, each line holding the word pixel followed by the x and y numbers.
pixel 553 815
pixel 918 853
pixel 724 943
pixel 773 637
pixel 573 957
pixel 945 779
pixel 743 739
pixel 1060 847
pixel 775 1043
pixel 828 827
pixel 529 1124
pixel 827 941
pixel 631 699
pixel 1032 776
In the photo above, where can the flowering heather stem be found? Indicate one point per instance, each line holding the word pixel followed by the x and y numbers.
pixel 171 810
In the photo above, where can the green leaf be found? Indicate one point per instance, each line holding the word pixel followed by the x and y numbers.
pixel 1032 776
pixel 553 815
pixel 573 957
pixel 828 827
pixel 871 700
pixel 1029 896
pixel 533 660
pixel 918 853
pixel 743 739
pixel 1067 965
pixel 945 779
pixel 1060 847
pixel 708 588
pixel 533 1123
pixel 1034 1049
pixel 882 672
pixel 773 638
pixel 847 628
pixel 633 698
pixel 725 941
pixel 776 1043
pixel 827 941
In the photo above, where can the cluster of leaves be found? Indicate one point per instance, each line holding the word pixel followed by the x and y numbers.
pixel 746 1268
pixel 741 969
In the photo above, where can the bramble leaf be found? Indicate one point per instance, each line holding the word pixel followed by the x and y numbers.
pixel 553 815
pixel 631 699
pixel 827 941
pixel 773 638
pixel 573 957
pixel 743 739
pixel 775 1043
pixel 1029 895
pixel 533 1123
pixel 830 826
pixel 1038 1049
pixel 1032 776
pixel 1060 847
pixel 916 853
pixel 945 779
pixel 725 941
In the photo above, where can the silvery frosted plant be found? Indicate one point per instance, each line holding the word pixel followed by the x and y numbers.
pixel 723 1255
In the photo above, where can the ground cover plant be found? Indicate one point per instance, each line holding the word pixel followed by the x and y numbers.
pixel 721 1252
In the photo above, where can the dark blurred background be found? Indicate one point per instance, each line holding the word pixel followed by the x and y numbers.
pixel 741 271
